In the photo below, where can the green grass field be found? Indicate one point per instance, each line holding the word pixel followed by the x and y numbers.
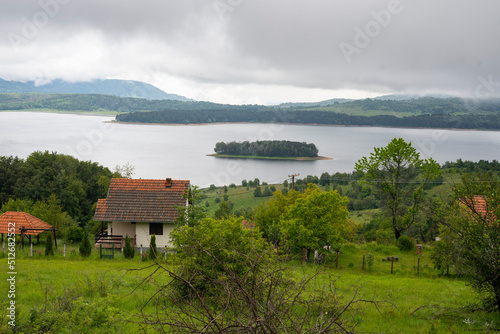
pixel 70 294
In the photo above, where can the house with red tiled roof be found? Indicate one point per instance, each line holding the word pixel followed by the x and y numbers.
pixel 140 208
pixel 479 209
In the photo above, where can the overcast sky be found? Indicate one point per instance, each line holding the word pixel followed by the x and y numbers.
pixel 259 51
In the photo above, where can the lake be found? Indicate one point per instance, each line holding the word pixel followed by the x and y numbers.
pixel 179 151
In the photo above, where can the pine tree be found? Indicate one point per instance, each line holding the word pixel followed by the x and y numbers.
pixel 153 252
pixel 128 250
pixel 85 247
pixel 49 245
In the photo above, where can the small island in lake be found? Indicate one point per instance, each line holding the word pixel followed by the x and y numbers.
pixel 268 149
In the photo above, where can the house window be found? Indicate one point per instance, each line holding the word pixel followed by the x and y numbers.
pixel 156 228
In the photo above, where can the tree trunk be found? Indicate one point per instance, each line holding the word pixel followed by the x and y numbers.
pixel 304 255
pixel 397 233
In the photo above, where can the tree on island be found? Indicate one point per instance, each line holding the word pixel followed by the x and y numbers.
pixel 267 148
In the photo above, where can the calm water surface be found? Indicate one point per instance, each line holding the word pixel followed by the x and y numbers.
pixel 179 151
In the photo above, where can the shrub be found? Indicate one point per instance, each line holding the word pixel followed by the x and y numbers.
pixel 369 261
pixel 153 252
pixel 217 200
pixel 128 250
pixel 74 234
pixel 405 244
pixel 49 245
pixel 85 246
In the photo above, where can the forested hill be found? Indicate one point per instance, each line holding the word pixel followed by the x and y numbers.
pixel 425 112
pixel 95 103
pixel 466 121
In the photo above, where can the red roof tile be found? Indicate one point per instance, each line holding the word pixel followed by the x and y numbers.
pixel 142 200
pixel 22 219
pixel 477 205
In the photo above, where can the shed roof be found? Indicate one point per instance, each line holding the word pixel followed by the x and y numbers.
pixel 22 220
pixel 142 200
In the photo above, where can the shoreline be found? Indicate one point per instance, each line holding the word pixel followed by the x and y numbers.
pixel 303 124
pixel 227 156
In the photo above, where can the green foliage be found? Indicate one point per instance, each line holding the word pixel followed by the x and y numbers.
pixel 405 244
pixel 128 250
pixel 396 176
pixel 212 187
pixel 314 220
pixel 74 234
pixel 471 235
pixel 49 244
pixel 62 188
pixel 369 261
pixel 153 251
pixel 85 246
pixel 48 210
pixel 223 211
pixel 217 248
pixel 195 211
pixel 267 148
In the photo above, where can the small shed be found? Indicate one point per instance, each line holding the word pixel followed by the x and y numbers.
pixel 24 224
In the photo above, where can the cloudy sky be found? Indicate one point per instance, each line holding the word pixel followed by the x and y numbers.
pixel 259 51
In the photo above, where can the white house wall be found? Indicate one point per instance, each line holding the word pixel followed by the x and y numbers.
pixel 143 236
pixel 122 228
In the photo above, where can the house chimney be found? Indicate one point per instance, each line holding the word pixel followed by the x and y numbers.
pixel 168 183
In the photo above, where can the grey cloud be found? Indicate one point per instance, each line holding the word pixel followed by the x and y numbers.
pixel 425 45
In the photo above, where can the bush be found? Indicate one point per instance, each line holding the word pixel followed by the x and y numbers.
pixel 74 234
pixel 153 252
pixel 405 244
pixel 85 246
pixel 369 261
pixel 128 250
pixel 49 245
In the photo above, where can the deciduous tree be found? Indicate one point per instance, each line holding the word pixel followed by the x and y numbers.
pixel 397 175
pixel 471 234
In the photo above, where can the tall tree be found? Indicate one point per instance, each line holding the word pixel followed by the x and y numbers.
pixel 471 234
pixel 315 220
pixel 397 176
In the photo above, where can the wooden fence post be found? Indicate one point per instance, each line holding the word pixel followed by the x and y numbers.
pixel 392 263
pixel 64 250
pixel 31 249
pixel 363 262
pixel 337 260
pixel 418 266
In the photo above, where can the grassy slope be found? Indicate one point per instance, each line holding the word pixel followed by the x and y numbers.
pixel 410 303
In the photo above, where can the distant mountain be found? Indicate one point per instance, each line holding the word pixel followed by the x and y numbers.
pixel 392 97
pixel 310 104
pixel 120 88
pixel 404 97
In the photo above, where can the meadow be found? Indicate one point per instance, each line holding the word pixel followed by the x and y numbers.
pixel 56 294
